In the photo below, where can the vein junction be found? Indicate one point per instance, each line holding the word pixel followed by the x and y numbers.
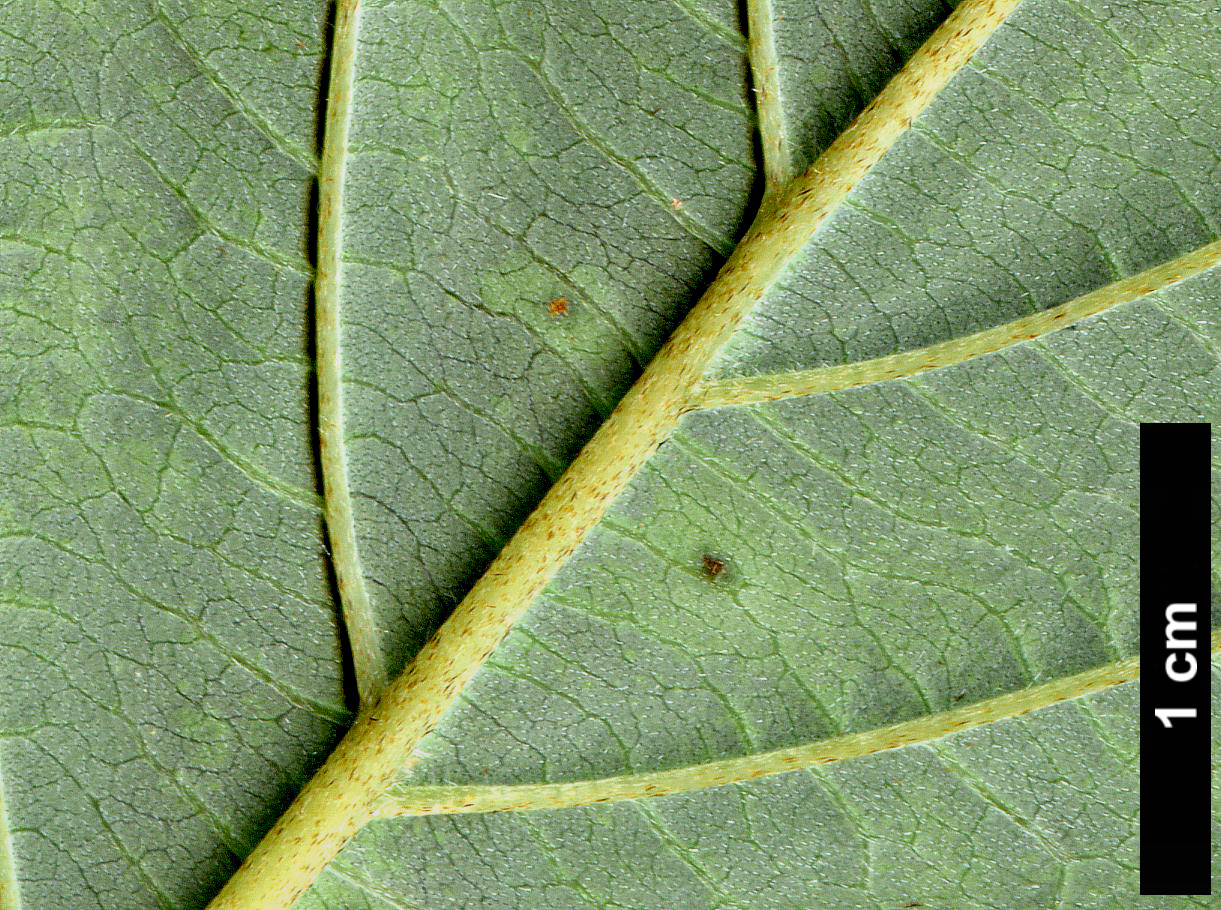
pixel 350 789
pixel 774 387
pixel 406 799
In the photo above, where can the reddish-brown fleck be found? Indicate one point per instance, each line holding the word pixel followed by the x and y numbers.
pixel 713 567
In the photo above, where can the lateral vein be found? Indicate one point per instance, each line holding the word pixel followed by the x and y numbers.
pixel 409 800
pixel 765 74
pixel 285 146
pixel 364 642
pixel 801 383
pixel 10 891
pixel 348 789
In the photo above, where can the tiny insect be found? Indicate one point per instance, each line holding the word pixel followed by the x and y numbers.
pixel 713 567
pixel 676 204
pixel 558 306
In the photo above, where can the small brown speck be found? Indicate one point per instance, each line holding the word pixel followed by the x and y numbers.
pixel 713 567
pixel 558 306
pixel 676 204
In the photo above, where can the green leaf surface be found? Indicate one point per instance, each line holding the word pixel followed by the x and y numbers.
pixel 172 662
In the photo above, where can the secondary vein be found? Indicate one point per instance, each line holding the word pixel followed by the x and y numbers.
pixel 364 642
pixel 416 701
pixel 799 383
pixel 406 799
pixel 10 892
pixel 348 789
pixel 765 72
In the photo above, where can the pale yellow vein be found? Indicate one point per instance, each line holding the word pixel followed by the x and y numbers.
pixel 359 621
pixel 406 799
pixel 799 383
pixel 10 891
pixel 346 791
pixel 765 73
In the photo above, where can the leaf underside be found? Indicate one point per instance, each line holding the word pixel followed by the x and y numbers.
pixel 171 659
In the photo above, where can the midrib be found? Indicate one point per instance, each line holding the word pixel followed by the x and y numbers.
pixel 349 790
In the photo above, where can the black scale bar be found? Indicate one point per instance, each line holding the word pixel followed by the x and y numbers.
pixel 1175 613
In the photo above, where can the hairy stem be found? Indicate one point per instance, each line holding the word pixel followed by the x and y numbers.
pixel 799 383
pixel 348 789
pixel 363 639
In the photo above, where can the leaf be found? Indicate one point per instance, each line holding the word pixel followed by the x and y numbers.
pixel 171 659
